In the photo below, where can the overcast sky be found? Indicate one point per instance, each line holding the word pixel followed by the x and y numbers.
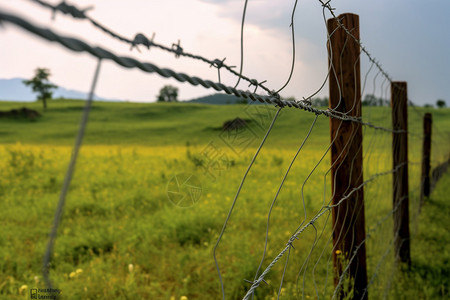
pixel 409 38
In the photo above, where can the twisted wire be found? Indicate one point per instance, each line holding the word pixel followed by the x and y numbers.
pixel 323 210
pixel 141 39
pixel 236 197
pixel 273 98
pixel 327 5
pixel 128 62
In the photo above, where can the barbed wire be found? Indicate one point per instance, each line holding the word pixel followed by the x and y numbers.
pixel 273 98
pixel 327 5
pixel 128 62
pixel 141 39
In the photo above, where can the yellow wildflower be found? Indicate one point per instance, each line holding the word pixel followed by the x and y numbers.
pixel 23 288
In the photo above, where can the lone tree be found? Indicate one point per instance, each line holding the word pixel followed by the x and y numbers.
pixel 441 103
pixel 168 93
pixel 40 84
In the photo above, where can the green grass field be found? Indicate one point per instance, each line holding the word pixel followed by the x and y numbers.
pixel 122 237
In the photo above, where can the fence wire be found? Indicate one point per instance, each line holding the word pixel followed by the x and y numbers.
pixel 374 161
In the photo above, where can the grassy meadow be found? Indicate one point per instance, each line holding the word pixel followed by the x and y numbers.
pixel 123 236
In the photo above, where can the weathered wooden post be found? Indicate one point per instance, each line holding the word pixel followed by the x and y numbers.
pixel 399 103
pixel 426 155
pixel 346 156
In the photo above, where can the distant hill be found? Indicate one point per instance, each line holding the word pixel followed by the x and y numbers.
pixel 221 99
pixel 14 90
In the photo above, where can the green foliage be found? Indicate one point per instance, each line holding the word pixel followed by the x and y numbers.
pixel 40 84
pixel 371 100
pixel 121 237
pixel 429 276
pixel 441 103
pixel 320 102
pixel 168 93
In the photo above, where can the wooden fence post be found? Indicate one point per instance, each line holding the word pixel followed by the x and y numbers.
pixel 346 156
pixel 399 103
pixel 426 155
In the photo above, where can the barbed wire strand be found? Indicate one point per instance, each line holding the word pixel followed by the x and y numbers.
pixel 274 98
pixel 65 187
pixel 355 95
pixel 141 39
pixel 128 62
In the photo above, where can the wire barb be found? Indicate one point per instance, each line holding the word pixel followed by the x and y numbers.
pixel 154 44
pixel 128 62
pixel 273 97
pixel 141 39
pixel 178 49
pixel 71 10
pixel 254 282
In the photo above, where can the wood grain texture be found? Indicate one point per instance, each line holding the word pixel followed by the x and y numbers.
pixel 346 155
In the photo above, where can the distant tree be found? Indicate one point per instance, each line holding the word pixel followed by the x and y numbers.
pixel 241 101
pixel 168 93
pixel 441 103
pixel 320 102
pixel 40 84
pixel 370 100
pixel 428 105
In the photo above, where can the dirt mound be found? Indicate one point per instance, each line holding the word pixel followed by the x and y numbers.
pixel 235 124
pixel 24 113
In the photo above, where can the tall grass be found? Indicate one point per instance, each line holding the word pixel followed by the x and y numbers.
pixel 121 236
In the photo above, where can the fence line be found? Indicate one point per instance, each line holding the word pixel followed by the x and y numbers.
pixel 341 117
pixel 141 39
pixel 128 62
